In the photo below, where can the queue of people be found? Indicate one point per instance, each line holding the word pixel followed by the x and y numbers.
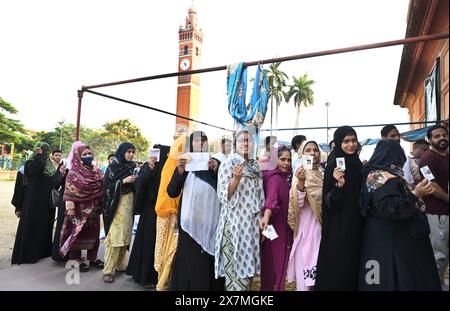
pixel 348 226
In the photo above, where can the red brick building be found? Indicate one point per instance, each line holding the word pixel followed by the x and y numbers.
pixel 421 60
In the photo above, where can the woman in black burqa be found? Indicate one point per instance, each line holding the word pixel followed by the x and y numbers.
pixel 396 252
pixel 338 261
pixel 141 262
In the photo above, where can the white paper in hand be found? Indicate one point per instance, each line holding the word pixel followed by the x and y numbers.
pixel 308 162
pixel 426 172
pixel 340 162
pixel 270 233
pixel 154 152
pixel 199 162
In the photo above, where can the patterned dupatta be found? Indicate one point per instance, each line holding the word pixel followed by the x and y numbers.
pixel 83 183
pixel 313 186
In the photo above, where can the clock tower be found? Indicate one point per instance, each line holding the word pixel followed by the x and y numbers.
pixel 190 39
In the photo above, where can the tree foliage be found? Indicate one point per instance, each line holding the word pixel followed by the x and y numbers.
pixel 301 93
pixel 11 130
pixel 102 141
pixel 117 132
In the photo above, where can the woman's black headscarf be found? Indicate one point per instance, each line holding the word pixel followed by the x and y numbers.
pixel 353 165
pixel 196 134
pixel 121 150
pixel 386 152
pixel 207 176
pixel 118 170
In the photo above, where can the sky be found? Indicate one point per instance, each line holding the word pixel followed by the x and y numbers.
pixel 51 48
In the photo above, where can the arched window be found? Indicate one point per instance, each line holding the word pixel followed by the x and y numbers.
pixel 186 50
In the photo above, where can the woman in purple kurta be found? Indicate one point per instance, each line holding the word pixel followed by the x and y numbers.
pixel 275 253
pixel 83 196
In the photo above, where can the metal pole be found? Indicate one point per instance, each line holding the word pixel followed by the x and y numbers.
pixel 282 59
pixel 327 104
pixel 156 109
pixel 359 125
pixel 77 130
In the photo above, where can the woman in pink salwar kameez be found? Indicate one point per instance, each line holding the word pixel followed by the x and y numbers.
pixel 305 206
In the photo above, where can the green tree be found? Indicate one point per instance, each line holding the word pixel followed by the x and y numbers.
pixel 11 130
pixel 123 130
pixel 302 94
pixel 276 79
pixel 62 135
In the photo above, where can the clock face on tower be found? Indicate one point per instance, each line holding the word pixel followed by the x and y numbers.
pixel 184 64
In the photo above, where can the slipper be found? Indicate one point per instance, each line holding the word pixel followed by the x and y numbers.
pixel 108 278
pixel 84 267
pixel 97 264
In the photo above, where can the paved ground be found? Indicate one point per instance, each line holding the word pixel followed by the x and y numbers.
pixel 8 223
pixel 47 275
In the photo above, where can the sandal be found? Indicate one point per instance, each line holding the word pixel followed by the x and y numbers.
pixel 84 267
pixel 97 264
pixel 121 271
pixel 108 278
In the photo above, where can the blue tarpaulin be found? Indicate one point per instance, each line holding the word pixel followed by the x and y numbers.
pixel 415 134
pixel 410 136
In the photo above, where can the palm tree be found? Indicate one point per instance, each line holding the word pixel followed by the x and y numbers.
pixel 276 79
pixel 302 93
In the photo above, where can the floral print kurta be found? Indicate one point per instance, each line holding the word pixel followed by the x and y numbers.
pixel 242 213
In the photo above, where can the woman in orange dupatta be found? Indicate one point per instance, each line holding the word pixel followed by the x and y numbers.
pixel 167 218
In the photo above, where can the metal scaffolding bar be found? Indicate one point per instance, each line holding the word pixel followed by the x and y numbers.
pixel 155 109
pixel 281 59
pixel 253 63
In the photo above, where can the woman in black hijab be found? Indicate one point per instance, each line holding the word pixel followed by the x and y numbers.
pixel 337 267
pixel 396 252
pixel 119 197
pixel 142 257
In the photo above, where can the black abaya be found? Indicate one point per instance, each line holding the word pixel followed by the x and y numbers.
pixel 338 261
pixel 396 238
pixel 34 233
pixel 19 193
pixel 193 268
pixel 142 257
pixel 58 183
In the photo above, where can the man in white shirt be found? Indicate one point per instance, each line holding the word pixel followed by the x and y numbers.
pixel 295 144
pixel 411 168
pixel 225 147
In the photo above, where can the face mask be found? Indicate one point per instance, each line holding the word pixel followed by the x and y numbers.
pixel 87 160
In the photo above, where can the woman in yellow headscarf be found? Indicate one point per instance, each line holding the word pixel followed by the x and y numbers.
pixel 167 218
